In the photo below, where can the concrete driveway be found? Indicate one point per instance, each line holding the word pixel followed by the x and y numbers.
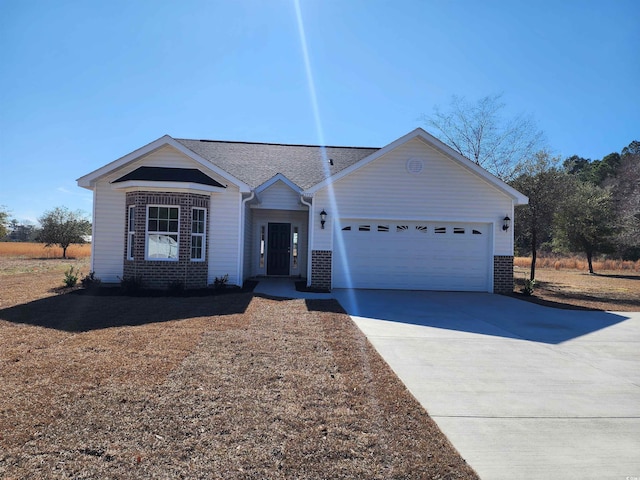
pixel 522 391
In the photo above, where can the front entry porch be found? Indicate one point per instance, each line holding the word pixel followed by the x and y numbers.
pixel 278 243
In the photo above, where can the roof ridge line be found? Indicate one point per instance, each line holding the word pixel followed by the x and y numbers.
pixel 276 144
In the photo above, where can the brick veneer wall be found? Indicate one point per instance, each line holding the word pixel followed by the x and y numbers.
pixel 321 269
pixel 502 274
pixel 161 274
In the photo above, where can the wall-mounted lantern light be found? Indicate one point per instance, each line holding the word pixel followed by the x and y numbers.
pixel 506 223
pixel 323 218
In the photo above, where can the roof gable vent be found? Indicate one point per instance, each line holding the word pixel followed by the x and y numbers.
pixel 415 166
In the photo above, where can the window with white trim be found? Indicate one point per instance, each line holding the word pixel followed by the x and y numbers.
pixel 162 232
pixel 198 233
pixel 131 231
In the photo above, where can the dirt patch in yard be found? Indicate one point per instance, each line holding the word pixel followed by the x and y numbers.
pixel 617 290
pixel 235 386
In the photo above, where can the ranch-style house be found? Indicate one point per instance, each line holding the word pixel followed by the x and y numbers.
pixel 414 214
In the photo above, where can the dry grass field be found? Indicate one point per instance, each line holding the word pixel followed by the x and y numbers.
pixel 578 263
pixel 567 283
pixel 230 386
pixel 38 250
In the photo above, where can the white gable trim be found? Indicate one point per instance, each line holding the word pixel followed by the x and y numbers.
pixel 153 185
pixel 518 198
pixel 279 177
pixel 88 181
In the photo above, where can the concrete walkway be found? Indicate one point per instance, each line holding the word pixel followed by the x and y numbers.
pixel 284 287
pixel 522 391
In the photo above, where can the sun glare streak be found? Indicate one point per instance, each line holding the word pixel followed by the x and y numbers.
pixel 311 85
pixel 325 160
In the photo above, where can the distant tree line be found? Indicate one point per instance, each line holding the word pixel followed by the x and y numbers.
pixel 580 205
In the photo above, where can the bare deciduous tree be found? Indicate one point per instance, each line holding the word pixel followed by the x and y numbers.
pixel 480 132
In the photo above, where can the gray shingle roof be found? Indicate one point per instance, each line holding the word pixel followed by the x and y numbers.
pixel 255 163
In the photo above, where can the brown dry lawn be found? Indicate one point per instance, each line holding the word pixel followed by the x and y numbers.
pixel 613 290
pixel 234 386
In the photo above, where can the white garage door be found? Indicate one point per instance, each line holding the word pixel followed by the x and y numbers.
pixel 412 255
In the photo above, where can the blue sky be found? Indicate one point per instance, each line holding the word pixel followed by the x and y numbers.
pixel 83 83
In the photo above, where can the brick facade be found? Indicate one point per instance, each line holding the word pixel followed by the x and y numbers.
pixel 321 269
pixel 158 273
pixel 502 274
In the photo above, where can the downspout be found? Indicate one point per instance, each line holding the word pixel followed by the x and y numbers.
pixel 243 232
pixel 93 231
pixel 309 237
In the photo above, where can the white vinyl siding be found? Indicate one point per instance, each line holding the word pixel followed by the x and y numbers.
pixel 442 191
pixel 224 228
pixel 108 240
pixel 248 242
pixel 279 196
pixel 167 157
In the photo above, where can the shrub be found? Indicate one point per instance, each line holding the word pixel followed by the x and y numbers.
pixel 91 281
pixel 529 285
pixel 131 284
pixel 175 287
pixel 221 282
pixel 71 277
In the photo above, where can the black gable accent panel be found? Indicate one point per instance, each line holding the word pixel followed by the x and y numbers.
pixel 166 174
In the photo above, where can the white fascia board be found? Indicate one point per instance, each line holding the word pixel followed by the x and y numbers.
pixel 88 181
pixel 278 177
pixel 165 186
pixel 518 198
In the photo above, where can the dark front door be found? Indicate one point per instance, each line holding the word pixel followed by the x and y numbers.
pixel 278 248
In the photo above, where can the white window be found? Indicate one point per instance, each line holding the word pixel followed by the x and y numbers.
pixel 198 232
pixel 162 232
pixel 131 232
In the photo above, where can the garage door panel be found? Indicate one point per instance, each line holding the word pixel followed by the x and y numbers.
pixel 417 255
